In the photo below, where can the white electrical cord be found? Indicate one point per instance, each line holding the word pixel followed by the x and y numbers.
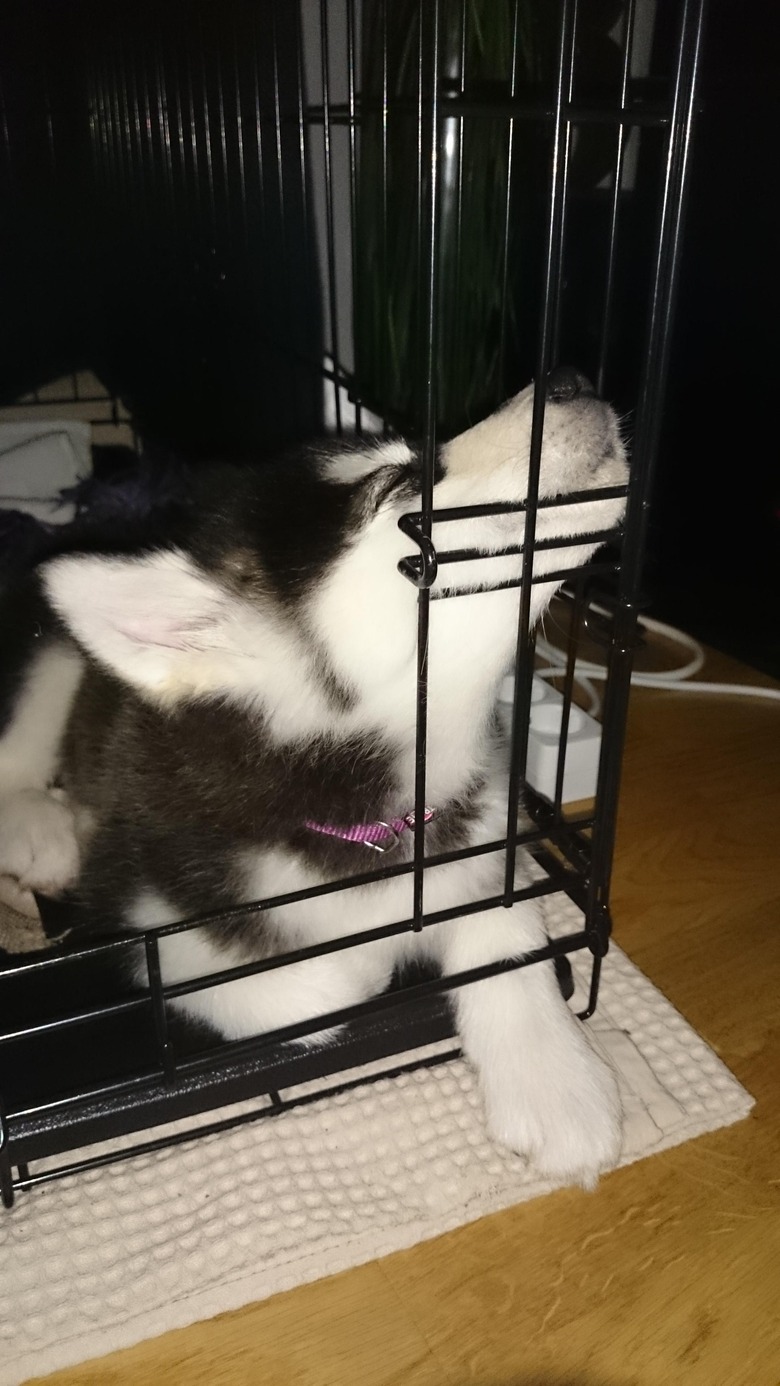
pixel 675 680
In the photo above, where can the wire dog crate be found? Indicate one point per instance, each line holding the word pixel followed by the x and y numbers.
pixel 310 128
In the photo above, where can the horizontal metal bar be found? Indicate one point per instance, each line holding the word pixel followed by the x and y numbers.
pixel 45 1027
pixel 472 512
pixel 548 886
pixel 234 1049
pixel 212 1128
pixel 487 107
pixel 561 575
pixel 128 940
pixel 136 939
pixel 602 536
pixel 536 890
pixel 571 944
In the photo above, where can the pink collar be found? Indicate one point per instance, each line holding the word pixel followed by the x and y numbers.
pixel 381 836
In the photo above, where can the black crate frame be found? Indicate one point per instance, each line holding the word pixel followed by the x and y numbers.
pixel 575 852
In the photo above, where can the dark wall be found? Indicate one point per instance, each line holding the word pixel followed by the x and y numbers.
pixel 714 559
pixel 140 241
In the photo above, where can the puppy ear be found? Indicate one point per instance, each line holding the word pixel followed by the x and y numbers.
pixel 147 618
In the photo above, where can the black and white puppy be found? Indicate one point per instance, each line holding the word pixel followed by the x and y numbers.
pixel 233 717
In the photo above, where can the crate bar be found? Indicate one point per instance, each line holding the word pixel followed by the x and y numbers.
pixel 374 1005
pixel 458 342
pixel 273 1107
pixel 547 333
pixel 470 512
pixel 602 536
pixel 563 133
pixel 560 575
pixel 492 108
pixel 206 126
pixel 260 170
pixel 620 149
pixel 240 151
pixel 6 1172
pixel 135 939
pixel 431 111
pixel 157 996
pixel 384 363
pixel 330 232
pixel 523 659
pixel 353 227
pixel 552 886
pixel 571 943
pixel 568 693
pixel 648 423
pixel 172 990
pixel 510 158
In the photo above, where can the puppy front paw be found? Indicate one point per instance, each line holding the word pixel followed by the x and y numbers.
pixel 559 1109
pixel 39 848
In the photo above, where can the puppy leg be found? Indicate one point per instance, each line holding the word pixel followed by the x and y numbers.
pixel 38 841
pixel 547 1094
pixel 269 1000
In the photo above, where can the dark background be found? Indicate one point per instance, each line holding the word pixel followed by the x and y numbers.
pixel 714 543
pixel 213 338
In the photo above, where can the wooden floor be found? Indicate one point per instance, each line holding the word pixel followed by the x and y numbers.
pixel 670 1272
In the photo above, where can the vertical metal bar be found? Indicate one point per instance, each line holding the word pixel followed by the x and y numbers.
pixel 329 220
pixel 422 287
pixel 179 144
pixel 565 157
pixel 648 424
pixel 508 207
pixel 164 1047
pixel 302 155
pixel 49 120
pixel 292 381
pixel 620 150
pixel 240 138
pixel 140 189
pixel 106 126
pixel 259 135
pixel 166 148
pixel 431 127
pixel 309 239
pixel 132 168
pixel 458 276
pixel 356 378
pixel 302 130
pixel 207 129
pixel 384 363
pixel 223 144
pixel 145 115
pixel 95 141
pixel 568 691
pixel 6 1172
pixel 593 994
pixel 524 656
pixel 6 138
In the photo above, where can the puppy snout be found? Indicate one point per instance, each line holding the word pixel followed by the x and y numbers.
pixel 565 383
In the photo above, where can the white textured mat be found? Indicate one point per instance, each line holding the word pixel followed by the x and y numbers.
pixel 101 1260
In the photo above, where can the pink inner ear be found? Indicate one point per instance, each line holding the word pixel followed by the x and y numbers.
pixel 170 635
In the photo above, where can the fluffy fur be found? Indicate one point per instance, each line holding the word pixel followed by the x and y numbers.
pixel 199 703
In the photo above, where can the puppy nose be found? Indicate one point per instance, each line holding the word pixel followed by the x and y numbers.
pixel 564 383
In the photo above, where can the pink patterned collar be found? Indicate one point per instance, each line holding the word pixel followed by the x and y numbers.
pixel 381 836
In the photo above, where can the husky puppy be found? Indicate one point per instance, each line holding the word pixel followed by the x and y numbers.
pixel 232 717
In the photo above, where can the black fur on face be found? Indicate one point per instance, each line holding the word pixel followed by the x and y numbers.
pixel 293 514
